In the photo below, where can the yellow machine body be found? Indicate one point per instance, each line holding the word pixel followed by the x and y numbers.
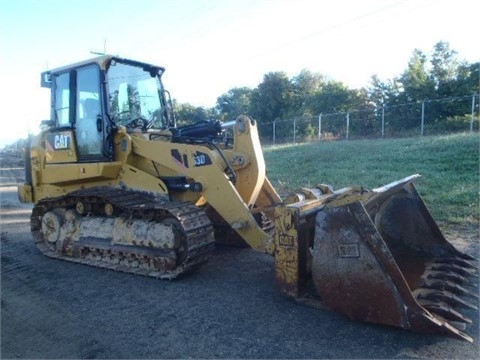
pixel 116 184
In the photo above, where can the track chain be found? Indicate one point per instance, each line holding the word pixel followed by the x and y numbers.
pixel 138 258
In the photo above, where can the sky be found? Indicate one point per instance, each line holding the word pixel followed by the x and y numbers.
pixel 211 46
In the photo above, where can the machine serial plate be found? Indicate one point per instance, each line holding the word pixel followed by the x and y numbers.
pixel 348 251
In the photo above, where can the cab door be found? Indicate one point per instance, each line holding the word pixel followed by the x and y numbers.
pixel 78 133
pixel 59 142
pixel 89 129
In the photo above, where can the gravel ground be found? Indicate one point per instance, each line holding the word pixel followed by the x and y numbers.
pixel 229 308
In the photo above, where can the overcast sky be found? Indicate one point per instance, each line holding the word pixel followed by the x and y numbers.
pixel 211 46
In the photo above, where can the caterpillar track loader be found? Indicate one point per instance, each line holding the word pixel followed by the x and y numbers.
pixel 117 185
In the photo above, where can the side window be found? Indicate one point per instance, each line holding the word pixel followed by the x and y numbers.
pixel 88 90
pixel 88 119
pixel 62 99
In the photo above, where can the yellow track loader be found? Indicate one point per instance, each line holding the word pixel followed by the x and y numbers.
pixel 117 184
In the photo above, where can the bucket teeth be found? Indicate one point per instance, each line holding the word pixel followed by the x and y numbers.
pixel 462 256
pixel 466 264
pixel 443 296
pixel 447 312
pixel 442 285
pixel 455 332
pixel 459 325
pixel 446 276
pixel 453 268
pixel 448 286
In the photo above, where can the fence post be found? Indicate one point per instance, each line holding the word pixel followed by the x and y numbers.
pixel 320 127
pixel 348 123
pixel 383 121
pixel 274 126
pixel 473 113
pixel 294 130
pixel 423 117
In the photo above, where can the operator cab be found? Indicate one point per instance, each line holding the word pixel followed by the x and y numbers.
pixel 92 98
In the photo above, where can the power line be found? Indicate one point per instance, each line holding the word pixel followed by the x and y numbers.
pixel 328 28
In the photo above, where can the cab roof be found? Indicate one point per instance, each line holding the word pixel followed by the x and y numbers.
pixel 102 61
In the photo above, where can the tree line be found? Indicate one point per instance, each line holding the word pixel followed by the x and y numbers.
pixel 440 75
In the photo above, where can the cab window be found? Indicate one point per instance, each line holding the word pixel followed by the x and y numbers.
pixel 88 119
pixel 62 99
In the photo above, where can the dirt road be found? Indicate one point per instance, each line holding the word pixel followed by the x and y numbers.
pixel 230 308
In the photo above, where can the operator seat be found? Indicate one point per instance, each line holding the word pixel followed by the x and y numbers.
pixel 91 108
pixel 88 137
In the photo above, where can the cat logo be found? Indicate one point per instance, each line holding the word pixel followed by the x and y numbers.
pixel 61 142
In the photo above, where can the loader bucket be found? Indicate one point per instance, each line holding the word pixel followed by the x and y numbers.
pixel 381 258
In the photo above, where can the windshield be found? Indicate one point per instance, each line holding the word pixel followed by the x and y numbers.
pixel 135 96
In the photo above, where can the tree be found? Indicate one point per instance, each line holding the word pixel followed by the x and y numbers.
pixel 235 102
pixel 450 77
pixel 305 85
pixel 444 68
pixel 468 83
pixel 468 79
pixel 416 83
pixel 335 97
pixel 272 99
pixel 380 92
pixel 308 94
pixel 186 113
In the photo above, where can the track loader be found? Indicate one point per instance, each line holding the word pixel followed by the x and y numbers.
pixel 117 184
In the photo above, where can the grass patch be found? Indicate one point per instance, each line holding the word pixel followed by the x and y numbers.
pixel 449 166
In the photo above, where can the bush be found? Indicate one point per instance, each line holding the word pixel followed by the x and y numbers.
pixel 452 124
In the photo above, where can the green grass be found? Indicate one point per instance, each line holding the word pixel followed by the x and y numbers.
pixel 449 166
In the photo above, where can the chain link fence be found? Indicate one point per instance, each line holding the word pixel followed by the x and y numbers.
pixel 428 117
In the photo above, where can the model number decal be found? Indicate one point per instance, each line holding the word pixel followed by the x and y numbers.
pixel 201 159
